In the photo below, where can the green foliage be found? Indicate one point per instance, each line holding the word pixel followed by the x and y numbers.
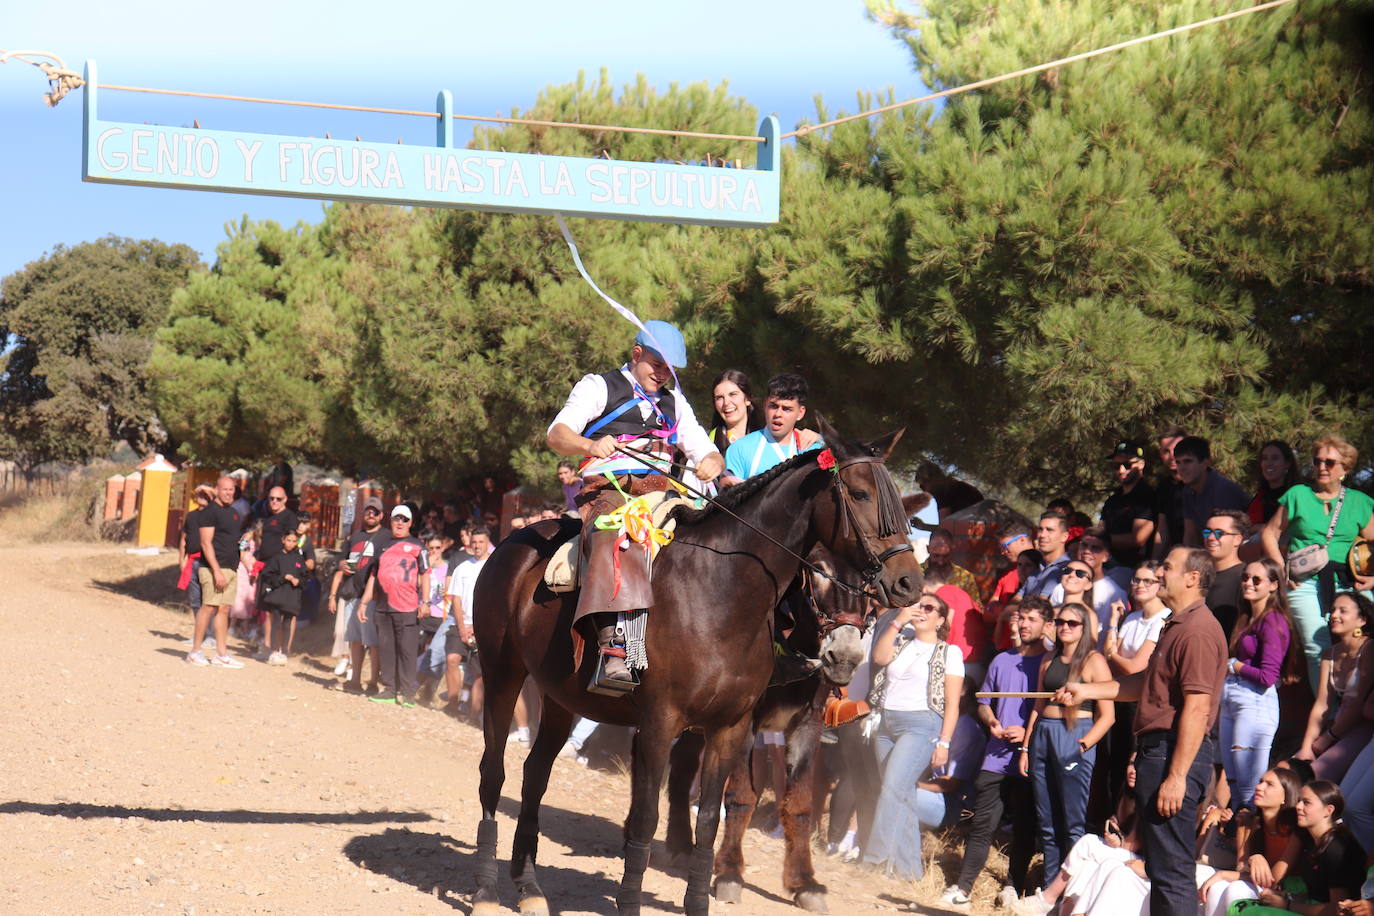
pixel 82 321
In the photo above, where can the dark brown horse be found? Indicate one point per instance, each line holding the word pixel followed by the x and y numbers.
pixel 828 624
pixel 709 644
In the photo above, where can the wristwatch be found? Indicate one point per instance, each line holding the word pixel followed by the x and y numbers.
pixel 942 743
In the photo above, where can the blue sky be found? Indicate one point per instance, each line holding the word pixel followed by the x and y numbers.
pixel 777 54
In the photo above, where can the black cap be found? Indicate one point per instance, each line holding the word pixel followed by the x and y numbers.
pixel 1127 448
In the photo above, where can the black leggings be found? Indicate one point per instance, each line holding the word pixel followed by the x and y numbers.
pixel 994 794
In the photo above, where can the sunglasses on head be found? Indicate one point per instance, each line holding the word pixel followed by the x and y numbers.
pixel 1006 545
pixel 1067 622
pixel 1080 573
pixel 1217 533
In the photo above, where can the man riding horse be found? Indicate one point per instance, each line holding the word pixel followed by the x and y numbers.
pixel 632 407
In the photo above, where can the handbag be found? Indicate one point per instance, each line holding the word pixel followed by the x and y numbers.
pixel 878 689
pixel 1312 559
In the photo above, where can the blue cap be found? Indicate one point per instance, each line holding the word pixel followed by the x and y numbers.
pixel 666 341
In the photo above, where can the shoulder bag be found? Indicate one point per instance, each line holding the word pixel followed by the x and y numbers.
pixel 1312 559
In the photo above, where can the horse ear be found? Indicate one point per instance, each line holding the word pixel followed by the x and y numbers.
pixel 886 444
pixel 832 438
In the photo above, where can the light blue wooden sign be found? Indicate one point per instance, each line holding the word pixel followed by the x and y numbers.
pixel 437 176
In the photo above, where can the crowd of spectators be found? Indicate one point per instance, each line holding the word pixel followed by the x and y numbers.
pixel 1198 731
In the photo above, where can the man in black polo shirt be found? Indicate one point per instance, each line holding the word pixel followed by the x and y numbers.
pixel 1129 513
pixel 220 526
pixel 1179 695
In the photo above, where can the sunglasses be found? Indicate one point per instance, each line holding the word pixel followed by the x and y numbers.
pixel 1080 573
pixel 1006 545
pixel 1090 547
pixel 1255 580
pixel 1325 462
pixel 929 608
pixel 1217 533
pixel 276 499
pixel 1140 583
pixel 1065 622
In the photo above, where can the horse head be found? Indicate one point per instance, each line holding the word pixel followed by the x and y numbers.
pixel 864 523
pixel 839 614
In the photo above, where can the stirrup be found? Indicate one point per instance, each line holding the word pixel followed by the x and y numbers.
pixel 611 686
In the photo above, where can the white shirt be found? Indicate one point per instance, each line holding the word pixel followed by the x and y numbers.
pixel 1105 592
pixel 462 582
pixel 587 401
pixel 908 676
pixel 1136 631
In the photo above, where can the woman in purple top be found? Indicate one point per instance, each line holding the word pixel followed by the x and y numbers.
pixel 1262 651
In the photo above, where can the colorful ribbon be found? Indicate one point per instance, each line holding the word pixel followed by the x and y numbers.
pixel 635 522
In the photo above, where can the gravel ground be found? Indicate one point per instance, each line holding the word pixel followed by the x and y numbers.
pixel 135 783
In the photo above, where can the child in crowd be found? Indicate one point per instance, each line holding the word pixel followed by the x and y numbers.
pixel 245 607
pixel 310 591
pixel 282 578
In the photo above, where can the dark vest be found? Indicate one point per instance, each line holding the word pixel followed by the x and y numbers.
pixel 621 416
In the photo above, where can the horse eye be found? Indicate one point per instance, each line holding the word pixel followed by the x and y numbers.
pixel 859 495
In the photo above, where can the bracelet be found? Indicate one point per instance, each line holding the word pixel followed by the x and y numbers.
pixel 942 743
pixel 1025 749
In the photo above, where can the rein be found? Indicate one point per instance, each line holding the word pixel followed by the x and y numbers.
pixel 876 560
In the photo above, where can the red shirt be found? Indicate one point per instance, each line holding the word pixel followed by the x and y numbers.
pixel 1004 591
pixel 967 631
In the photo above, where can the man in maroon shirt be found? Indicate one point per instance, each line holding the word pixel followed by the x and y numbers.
pixel 1179 695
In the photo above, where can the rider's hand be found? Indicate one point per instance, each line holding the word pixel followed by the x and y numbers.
pixel 710 467
pixel 602 448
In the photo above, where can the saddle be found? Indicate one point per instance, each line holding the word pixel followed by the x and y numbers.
pixel 567 568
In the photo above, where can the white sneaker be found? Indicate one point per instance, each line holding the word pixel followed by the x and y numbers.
pixel 341 667
pixel 521 735
pixel 955 897
pixel 1007 897
pixel 277 659
pixel 226 661
pixel 1034 905
pixel 570 752
pixel 197 658
pixel 851 855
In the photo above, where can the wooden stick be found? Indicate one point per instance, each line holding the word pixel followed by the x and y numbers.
pixel 1028 695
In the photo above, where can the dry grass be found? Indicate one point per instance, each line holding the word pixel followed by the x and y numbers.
pixel 64 515
pixel 944 854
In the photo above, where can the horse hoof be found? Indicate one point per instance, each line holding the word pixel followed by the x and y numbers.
pixel 531 906
pixel 486 908
pixel 811 901
pixel 728 890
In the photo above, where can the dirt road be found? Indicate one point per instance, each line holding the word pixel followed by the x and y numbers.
pixel 135 783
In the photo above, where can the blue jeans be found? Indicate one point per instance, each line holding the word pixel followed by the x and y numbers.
pixel 1358 789
pixel 1166 843
pixel 193 587
pixel 932 808
pixel 904 744
pixel 1249 718
pixel 1061 778
pixel 433 662
pixel 1310 618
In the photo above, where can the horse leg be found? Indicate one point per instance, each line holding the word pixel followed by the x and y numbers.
pixel 740 801
pixel 652 746
pixel 683 763
pixel 725 750
pixel 504 677
pixel 554 726
pixel 798 874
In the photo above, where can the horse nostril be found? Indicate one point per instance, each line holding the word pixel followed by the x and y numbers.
pixel 904 585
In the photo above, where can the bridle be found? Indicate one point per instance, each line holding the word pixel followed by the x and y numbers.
pixel 876 560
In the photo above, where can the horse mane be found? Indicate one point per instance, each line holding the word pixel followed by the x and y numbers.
pixel 734 497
